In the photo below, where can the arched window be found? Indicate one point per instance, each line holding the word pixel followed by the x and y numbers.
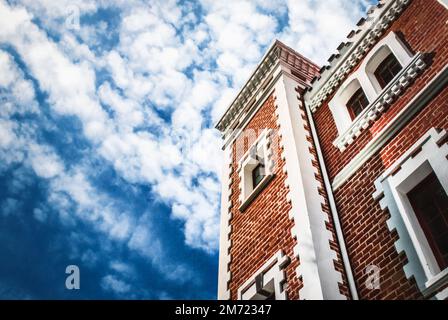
pixel 348 103
pixel 386 61
pixel 387 70
pixel 357 103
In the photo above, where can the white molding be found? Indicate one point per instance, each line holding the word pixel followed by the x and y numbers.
pixel 262 147
pixel 278 53
pixel 377 22
pixel 401 81
pixel 273 269
pixel 424 96
pixel 364 78
pixel 434 284
pixel 334 210
pixel 253 194
pixel 425 156
pixel 389 44
pixel 316 269
pixel 224 275
pixel 338 105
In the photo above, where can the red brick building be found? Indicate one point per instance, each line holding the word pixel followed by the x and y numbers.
pixel 335 179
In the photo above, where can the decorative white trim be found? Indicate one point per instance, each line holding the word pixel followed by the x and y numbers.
pixel 434 284
pixel 364 78
pixel 389 44
pixel 224 275
pixel 401 81
pixel 316 258
pixel 438 82
pixel 427 155
pixel 262 148
pixel 338 105
pixel 377 22
pixel 272 270
pixel 334 210
pixel 277 54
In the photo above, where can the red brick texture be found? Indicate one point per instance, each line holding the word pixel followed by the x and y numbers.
pixel 369 242
pixel 420 36
pixel 264 227
pixel 343 287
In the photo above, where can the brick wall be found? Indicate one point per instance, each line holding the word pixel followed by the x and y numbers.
pixel 367 236
pixel 420 36
pixel 264 227
pixel 343 287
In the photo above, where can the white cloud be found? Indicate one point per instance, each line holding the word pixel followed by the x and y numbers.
pixel 121 267
pixel 7 135
pixel 316 28
pixel 44 161
pixel 114 284
pixel 7 72
pixel 171 72
pixel 40 215
pixel 18 93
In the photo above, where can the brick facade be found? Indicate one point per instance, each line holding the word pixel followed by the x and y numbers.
pixel 263 228
pixel 361 236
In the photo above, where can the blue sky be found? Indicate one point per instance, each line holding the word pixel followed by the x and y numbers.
pixel 108 155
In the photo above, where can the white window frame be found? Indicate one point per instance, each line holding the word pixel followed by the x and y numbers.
pixel 273 277
pixel 262 148
pixel 390 44
pixel 378 97
pixel 338 105
pixel 424 157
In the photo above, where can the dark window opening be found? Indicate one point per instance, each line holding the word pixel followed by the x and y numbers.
pixel 264 292
pixel 430 203
pixel 387 70
pixel 357 103
pixel 257 175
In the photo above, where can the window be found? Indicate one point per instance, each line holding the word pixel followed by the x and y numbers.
pixel 384 74
pixel 258 174
pixel 267 283
pixel 256 168
pixel 414 190
pixel 387 70
pixel 430 204
pixel 357 103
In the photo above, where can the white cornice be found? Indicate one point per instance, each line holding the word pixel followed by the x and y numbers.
pixel 249 94
pixel 371 28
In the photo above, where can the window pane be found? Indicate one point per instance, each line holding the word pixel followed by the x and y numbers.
pixel 430 203
pixel 387 70
pixel 357 103
pixel 257 175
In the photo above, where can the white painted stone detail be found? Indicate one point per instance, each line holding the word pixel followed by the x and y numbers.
pixel 425 156
pixel 377 22
pixel 272 273
pixel 316 269
pixel 224 275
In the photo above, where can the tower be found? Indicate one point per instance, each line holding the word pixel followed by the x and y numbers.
pixel 335 180
pixel 277 235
